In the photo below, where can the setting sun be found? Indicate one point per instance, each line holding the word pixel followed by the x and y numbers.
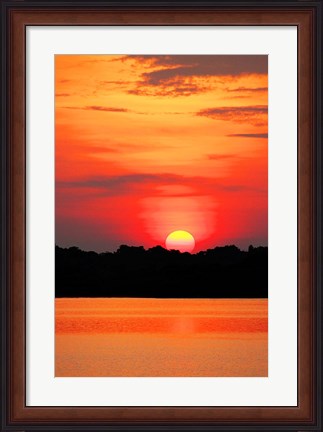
pixel 180 240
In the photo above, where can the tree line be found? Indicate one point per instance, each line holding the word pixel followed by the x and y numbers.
pixel 221 272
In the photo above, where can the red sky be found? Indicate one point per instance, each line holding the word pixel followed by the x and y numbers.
pixel 146 145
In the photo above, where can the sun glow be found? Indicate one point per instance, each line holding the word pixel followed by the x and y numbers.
pixel 180 240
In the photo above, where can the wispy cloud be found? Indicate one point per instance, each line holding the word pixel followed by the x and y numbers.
pixel 250 135
pixel 248 89
pixel 145 184
pixel 126 179
pixel 63 81
pixel 171 88
pixel 117 82
pixel 221 156
pixel 107 109
pixel 255 115
pixel 100 149
pixel 104 108
pixel 90 148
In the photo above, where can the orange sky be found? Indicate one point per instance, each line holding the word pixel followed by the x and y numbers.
pixel 146 145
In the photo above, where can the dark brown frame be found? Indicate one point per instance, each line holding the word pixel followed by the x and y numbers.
pixel 307 16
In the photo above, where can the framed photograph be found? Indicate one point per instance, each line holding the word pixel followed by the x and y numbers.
pixel 161 215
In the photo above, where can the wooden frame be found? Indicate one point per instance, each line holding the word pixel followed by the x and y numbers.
pixel 307 16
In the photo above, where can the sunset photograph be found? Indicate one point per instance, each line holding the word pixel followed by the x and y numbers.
pixel 161 216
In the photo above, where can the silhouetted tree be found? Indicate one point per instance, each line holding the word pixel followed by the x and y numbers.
pixel 132 271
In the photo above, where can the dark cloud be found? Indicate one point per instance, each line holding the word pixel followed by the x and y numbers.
pixel 250 135
pixel 146 183
pixel 245 92
pixel 63 81
pixel 255 115
pixel 122 184
pixel 99 108
pixel 118 82
pixel 172 88
pixel 176 75
pixel 249 89
pixel 94 148
pixel 127 179
pixel 203 65
pixel 104 108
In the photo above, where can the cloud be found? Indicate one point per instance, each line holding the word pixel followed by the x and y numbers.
pixel 245 92
pixel 202 65
pixel 220 156
pixel 180 75
pixel 126 179
pixel 90 148
pixel 149 184
pixel 110 147
pixel 98 108
pixel 100 149
pixel 122 184
pixel 250 135
pixel 248 89
pixel 172 88
pixel 104 108
pixel 118 82
pixel 256 115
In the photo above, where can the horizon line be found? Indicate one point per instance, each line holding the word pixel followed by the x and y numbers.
pixel 158 245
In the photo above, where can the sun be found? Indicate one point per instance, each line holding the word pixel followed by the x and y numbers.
pixel 180 240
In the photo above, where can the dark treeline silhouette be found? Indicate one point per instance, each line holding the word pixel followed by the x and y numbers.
pixel 222 272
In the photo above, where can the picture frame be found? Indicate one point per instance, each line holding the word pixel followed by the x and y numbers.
pixel 16 17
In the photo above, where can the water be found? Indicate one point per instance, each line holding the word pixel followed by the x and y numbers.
pixel 161 337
